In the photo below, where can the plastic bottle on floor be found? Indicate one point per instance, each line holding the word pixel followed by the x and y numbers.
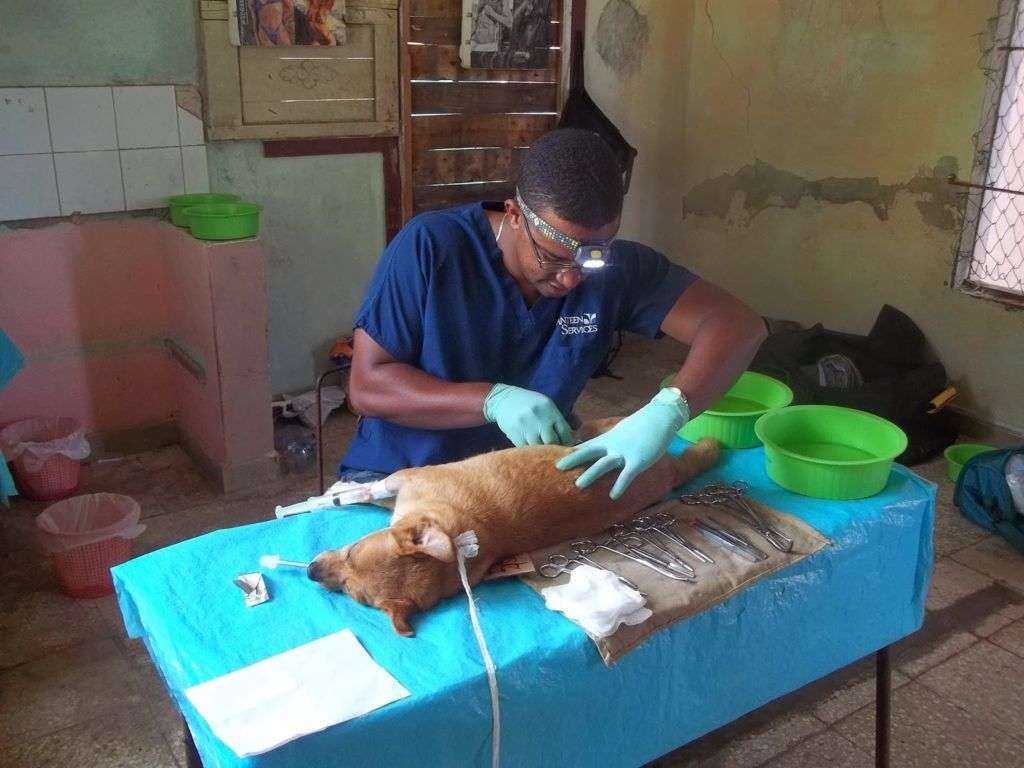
pixel 1015 479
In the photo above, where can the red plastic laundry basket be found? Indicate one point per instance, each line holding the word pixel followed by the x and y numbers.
pixel 86 536
pixel 57 479
pixel 84 572
pixel 58 476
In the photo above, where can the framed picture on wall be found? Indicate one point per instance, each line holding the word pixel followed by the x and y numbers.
pixel 505 34
pixel 289 22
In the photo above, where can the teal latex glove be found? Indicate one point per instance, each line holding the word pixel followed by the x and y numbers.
pixel 633 445
pixel 526 417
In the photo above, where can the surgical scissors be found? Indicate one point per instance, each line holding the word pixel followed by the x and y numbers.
pixel 588 547
pixel 556 565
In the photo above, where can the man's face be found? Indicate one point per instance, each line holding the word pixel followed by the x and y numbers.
pixel 548 266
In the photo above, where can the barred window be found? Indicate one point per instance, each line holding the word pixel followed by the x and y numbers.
pixel 990 253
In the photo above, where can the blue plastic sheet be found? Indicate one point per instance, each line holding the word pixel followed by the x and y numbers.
pixel 560 704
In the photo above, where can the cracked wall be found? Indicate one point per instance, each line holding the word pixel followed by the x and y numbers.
pixel 796 151
pixel 622 36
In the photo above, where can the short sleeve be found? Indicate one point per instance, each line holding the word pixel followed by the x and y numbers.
pixel 653 286
pixel 393 310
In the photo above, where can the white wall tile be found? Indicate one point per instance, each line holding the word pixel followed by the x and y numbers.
pixel 190 128
pixel 23 128
pixel 193 160
pixel 146 116
pixel 81 119
pixel 29 188
pixel 89 182
pixel 151 176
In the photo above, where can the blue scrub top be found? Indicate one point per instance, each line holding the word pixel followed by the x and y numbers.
pixel 442 300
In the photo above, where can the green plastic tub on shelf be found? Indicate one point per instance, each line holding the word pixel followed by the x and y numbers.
pixel 829 452
pixel 178 204
pixel 224 221
pixel 731 419
pixel 959 454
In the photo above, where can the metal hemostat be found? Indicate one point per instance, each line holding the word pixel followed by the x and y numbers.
pixel 733 499
pixel 556 565
pixel 586 547
pixel 631 537
pixel 622 536
pixel 662 523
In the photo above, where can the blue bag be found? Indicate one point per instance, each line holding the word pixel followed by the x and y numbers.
pixel 983 495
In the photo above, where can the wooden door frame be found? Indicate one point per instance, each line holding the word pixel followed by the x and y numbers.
pixel 575 11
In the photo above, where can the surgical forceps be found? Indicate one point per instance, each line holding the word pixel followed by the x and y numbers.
pixel 662 524
pixel 733 499
pixel 588 547
pixel 556 565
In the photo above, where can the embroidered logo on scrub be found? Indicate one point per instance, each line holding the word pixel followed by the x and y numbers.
pixel 572 325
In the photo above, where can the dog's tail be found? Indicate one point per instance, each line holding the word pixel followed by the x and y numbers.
pixel 700 457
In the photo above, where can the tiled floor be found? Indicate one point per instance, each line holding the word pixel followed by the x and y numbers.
pixel 74 690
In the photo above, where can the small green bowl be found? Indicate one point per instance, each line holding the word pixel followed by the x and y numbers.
pixel 828 452
pixel 731 419
pixel 224 221
pixel 178 204
pixel 959 454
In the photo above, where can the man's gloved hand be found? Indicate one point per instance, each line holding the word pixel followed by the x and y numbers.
pixel 526 417
pixel 634 444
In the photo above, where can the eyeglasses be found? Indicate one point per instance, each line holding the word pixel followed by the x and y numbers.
pixel 548 261
pixel 587 257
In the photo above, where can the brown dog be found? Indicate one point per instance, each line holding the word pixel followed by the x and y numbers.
pixel 515 500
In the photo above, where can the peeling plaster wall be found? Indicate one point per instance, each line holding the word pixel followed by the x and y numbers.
pixel 795 152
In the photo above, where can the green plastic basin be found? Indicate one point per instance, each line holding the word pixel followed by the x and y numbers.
pixel 829 452
pixel 959 454
pixel 178 204
pixel 731 419
pixel 224 221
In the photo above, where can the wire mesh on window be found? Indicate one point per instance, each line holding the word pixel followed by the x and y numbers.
pixel 991 254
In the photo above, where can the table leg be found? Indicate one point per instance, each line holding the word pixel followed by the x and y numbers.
pixel 192 759
pixel 320 425
pixel 883 702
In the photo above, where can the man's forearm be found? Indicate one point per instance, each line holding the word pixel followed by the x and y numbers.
pixel 405 395
pixel 720 352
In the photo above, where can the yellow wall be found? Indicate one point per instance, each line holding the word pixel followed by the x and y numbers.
pixel 795 151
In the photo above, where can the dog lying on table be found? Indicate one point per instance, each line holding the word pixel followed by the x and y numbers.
pixel 515 500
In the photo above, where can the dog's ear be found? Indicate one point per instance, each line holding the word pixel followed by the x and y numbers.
pixel 423 537
pixel 399 609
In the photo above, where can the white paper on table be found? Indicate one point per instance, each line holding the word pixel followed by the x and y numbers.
pixel 295 693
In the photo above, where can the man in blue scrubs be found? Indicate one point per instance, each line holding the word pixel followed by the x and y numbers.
pixel 483 323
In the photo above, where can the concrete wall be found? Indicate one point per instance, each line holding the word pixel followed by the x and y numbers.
pixel 795 152
pixel 98 42
pixel 92 305
pixel 323 233
pixel 323 220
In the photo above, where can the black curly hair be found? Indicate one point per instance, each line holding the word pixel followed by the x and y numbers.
pixel 573 174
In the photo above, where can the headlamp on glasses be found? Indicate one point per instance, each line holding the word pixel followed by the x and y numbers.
pixel 588 256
